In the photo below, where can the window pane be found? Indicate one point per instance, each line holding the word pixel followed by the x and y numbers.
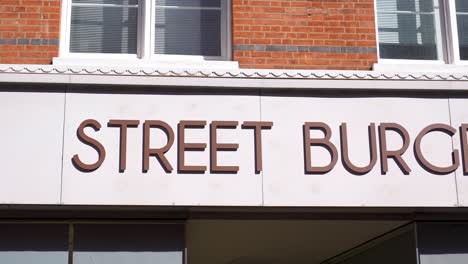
pixel 107 2
pixel 400 249
pixel 397 246
pixel 128 244
pixel 192 3
pixel 188 30
pixel 462 5
pixel 462 23
pixel 33 243
pixel 407 29
pixel 104 26
pixel 406 5
pixel 443 242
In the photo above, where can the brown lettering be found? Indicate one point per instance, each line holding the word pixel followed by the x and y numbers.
pixel 345 152
pixel 425 163
pixel 257 127
pixel 90 142
pixel 464 146
pixel 215 147
pixel 394 154
pixel 189 146
pixel 158 153
pixel 322 142
pixel 123 125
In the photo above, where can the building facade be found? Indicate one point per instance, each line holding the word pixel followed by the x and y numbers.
pixel 233 131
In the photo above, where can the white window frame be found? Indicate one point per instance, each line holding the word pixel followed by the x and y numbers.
pixel 454 41
pixel 64 50
pixel 446 38
pixel 145 44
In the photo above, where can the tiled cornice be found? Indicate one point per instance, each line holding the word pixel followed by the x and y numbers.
pixel 239 73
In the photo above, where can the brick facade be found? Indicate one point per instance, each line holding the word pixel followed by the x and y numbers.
pixel 29 31
pixel 304 34
pixel 281 34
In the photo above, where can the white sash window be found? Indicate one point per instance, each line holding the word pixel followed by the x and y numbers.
pixel 461 9
pixel 430 31
pixel 146 29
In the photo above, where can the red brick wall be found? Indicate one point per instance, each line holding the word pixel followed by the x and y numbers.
pixel 283 34
pixel 29 31
pixel 304 34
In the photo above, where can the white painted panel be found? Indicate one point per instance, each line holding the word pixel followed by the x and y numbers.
pixel 286 184
pixel 31 147
pixel 459 115
pixel 133 187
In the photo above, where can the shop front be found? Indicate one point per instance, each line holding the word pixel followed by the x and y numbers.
pixel 126 166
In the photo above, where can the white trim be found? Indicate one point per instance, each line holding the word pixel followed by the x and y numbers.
pixel 139 30
pixel 72 55
pixel 439 21
pixel 395 65
pixel 376 28
pixel 152 27
pixel 191 58
pixel 226 29
pixel 461 63
pixel 145 28
pixel 447 32
pixel 64 27
pixel 411 62
pixel 182 62
pixel 322 81
pixel 456 74
pixel 421 67
pixel 455 48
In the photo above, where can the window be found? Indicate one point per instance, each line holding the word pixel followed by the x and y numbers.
pixel 33 243
pixel 92 243
pixel 423 30
pixel 128 244
pixel 396 246
pixel 147 29
pixel 461 10
pixel 104 26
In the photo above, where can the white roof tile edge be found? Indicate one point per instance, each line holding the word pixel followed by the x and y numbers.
pixel 238 73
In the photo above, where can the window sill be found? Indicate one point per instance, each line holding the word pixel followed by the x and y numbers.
pixel 419 67
pixel 160 63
